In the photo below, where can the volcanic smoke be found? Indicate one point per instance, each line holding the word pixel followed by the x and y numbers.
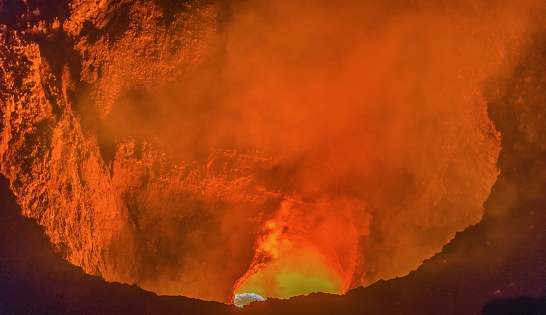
pixel 373 133
pixel 379 113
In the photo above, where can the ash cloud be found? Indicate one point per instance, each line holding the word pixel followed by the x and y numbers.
pixel 380 104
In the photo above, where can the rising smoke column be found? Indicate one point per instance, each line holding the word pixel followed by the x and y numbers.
pixel 305 247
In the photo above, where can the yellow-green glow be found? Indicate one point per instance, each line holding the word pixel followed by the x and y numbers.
pixel 294 283
pixel 299 273
pixel 284 284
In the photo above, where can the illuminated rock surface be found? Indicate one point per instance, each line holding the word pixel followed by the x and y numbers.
pixel 117 199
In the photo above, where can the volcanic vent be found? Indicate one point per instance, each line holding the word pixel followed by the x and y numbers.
pixel 247 150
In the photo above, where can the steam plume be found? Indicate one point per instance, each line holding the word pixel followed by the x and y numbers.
pixel 371 118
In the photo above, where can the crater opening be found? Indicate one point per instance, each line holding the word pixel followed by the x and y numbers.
pixel 257 150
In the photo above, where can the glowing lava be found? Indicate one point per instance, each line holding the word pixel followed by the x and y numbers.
pixel 302 251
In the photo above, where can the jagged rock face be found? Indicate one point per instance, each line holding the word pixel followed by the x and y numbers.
pixel 111 202
pixel 63 170
pixel 85 92
pixel 97 207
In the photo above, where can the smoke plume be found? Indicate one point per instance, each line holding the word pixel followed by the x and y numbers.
pixel 369 123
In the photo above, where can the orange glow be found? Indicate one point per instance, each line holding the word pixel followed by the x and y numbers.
pixel 271 147
pixel 376 131
pixel 304 248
